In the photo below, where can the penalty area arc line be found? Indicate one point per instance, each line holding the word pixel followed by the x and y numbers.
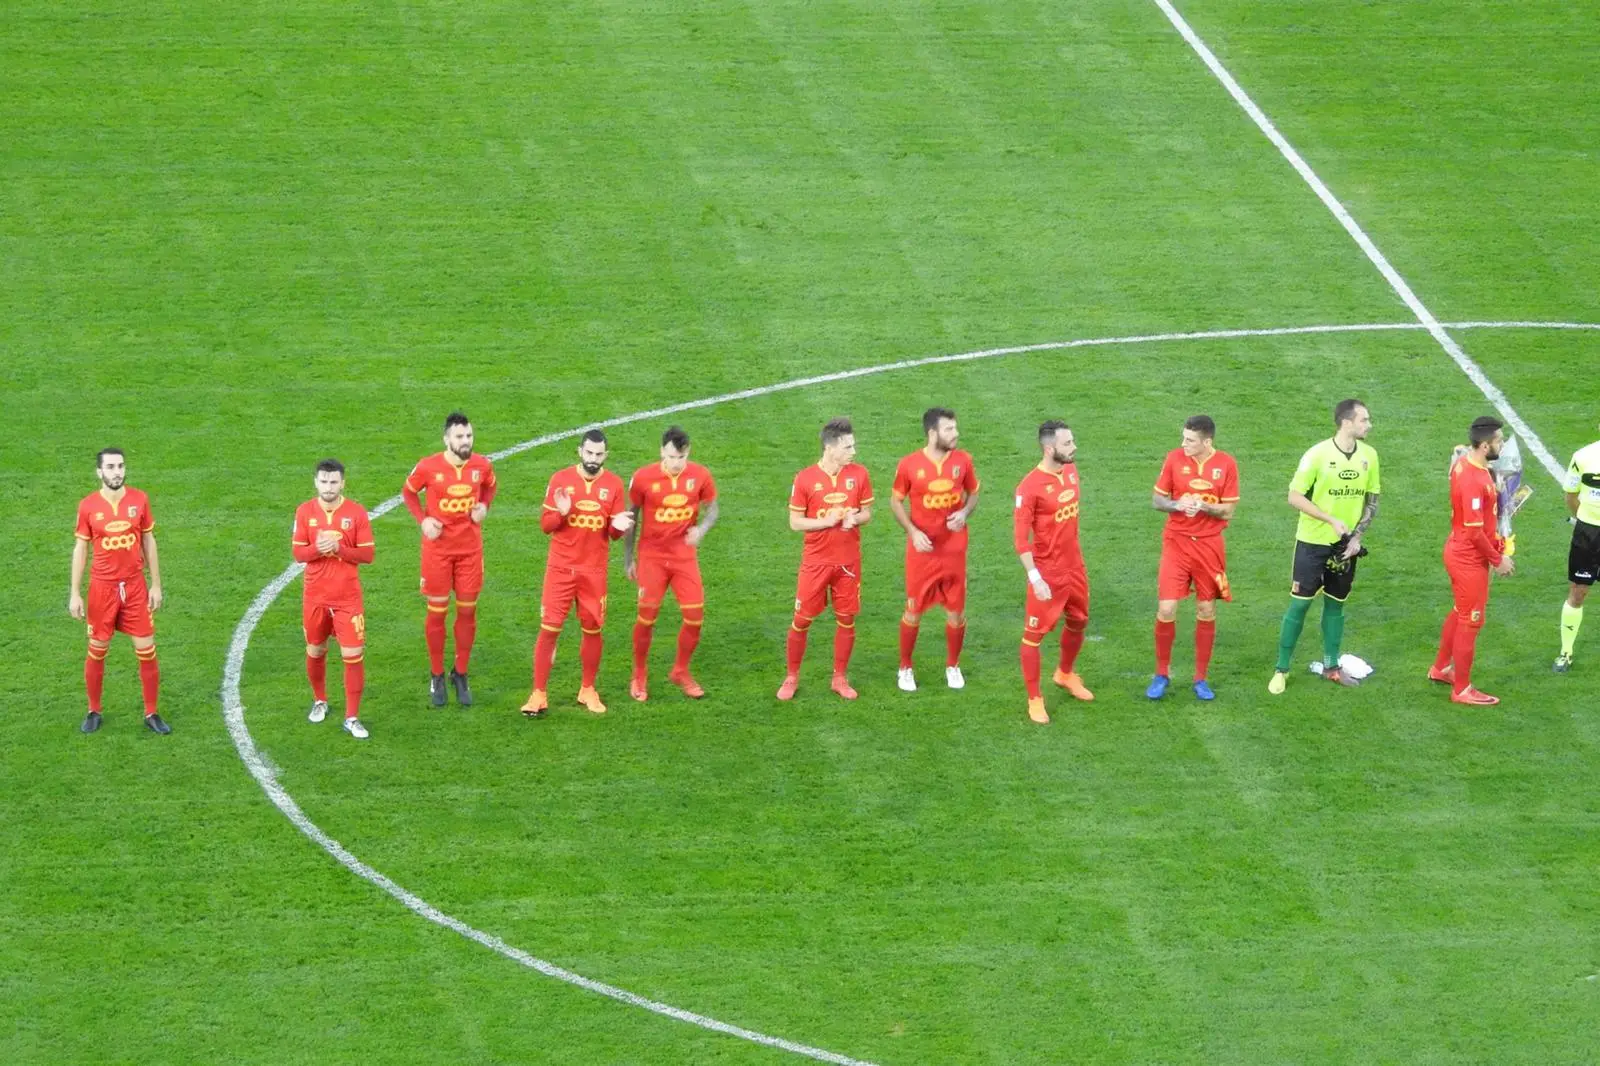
pixel 266 773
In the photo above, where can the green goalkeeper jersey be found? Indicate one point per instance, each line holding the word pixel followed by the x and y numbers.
pixel 1337 483
pixel 1583 479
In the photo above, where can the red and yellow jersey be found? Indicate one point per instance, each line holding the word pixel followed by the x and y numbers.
pixel 668 506
pixel 1214 479
pixel 1474 501
pixel 115 532
pixel 1045 521
pixel 451 492
pixel 816 494
pixel 934 489
pixel 581 538
pixel 333 579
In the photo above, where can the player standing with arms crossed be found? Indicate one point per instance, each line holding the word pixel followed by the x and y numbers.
pixel 667 498
pixel 1198 488
pixel 1335 488
pixel 584 511
pixel 459 487
pixel 333 538
pixel 1045 534
pixel 115 522
pixel 1582 485
pixel 941 484
pixel 830 501
pixel 1473 549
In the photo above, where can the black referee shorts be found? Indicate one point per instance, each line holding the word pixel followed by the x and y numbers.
pixel 1583 558
pixel 1316 568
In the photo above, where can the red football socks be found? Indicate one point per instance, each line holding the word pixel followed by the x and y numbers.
pixel 954 637
pixel 317 674
pixel 355 679
pixel 94 678
pixel 1466 648
pixel 1030 669
pixel 908 644
pixel 466 631
pixel 433 629
pixel 844 642
pixel 688 640
pixel 544 657
pixel 1447 642
pixel 589 650
pixel 795 649
pixel 1071 644
pixel 642 635
pixel 1166 634
pixel 1205 638
pixel 149 677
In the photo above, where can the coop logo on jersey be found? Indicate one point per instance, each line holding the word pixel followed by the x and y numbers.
pixel 1348 475
pixel 120 543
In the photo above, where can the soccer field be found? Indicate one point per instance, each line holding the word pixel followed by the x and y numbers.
pixel 237 238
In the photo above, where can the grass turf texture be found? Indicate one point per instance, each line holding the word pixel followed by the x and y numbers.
pixel 240 237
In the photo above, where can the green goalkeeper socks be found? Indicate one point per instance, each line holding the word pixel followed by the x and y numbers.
pixel 1294 620
pixel 1332 631
pixel 1571 619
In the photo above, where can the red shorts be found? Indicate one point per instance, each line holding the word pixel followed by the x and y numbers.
pixel 935 580
pixel 346 622
pixel 442 574
pixel 562 586
pixel 114 606
pixel 1069 596
pixel 820 582
pixel 1200 563
pixel 1469 585
pixel 657 574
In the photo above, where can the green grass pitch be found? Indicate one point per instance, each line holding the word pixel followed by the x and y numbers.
pixel 237 237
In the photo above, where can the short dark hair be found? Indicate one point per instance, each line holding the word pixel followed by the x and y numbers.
pixel 1344 411
pixel 455 418
pixel 330 466
pixel 933 416
pixel 1484 429
pixel 100 456
pixel 835 429
pixel 1202 425
pixel 675 436
pixel 594 436
pixel 1049 429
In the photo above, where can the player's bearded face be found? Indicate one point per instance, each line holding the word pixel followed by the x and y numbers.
pixel 592 457
pixel 459 441
pixel 946 435
pixel 330 486
pixel 1064 449
pixel 1495 446
pixel 113 473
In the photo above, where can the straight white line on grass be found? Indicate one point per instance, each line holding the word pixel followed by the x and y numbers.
pixel 1392 276
pixel 266 774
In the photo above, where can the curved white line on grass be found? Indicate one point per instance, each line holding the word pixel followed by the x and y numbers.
pixel 266 774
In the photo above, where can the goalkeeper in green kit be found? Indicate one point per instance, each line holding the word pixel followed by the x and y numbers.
pixel 1335 488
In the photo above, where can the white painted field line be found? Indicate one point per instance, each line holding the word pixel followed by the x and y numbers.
pixel 266 774
pixel 1392 276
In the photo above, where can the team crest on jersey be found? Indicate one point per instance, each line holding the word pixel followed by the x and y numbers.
pixel 689 484
pixel 133 512
pixel 1216 473
pixel 475 474
pixel 1363 464
pixel 1073 478
pixel 345 523
pixel 955 472
pixel 605 494
pixel 1477 616
pixel 849 483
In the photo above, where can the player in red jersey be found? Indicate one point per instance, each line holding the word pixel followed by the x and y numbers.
pixel 1045 534
pixel 115 523
pixel 830 502
pixel 941 485
pixel 459 486
pixel 585 509
pixel 333 538
pixel 1473 549
pixel 667 498
pixel 1198 488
